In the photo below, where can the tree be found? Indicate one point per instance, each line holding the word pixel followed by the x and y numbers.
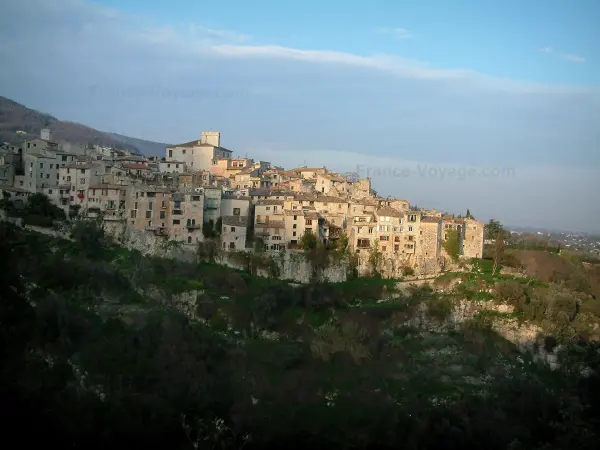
pixel 492 229
pixel 452 244
pixel 308 241
pixel 468 215
pixel 498 251
pixel 89 237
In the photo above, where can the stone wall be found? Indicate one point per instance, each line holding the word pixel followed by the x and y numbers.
pixel 291 266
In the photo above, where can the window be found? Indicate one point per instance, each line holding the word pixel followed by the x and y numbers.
pixel 189 239
pixel 294 226
pixel 176 221
pixel 150 205
pixel 148 214
pixel 236 211
pixel 162 215
pixel 295 217
pixel 183 152
pixel 232 229
pixel 396 248
pixel 170 153
pixel 133 214
pixel 308 222
pixel 410 228
pixel 41 165
pixel 50 191
pixel 196 198
pixel 135 205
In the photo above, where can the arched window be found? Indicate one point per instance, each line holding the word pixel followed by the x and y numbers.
pixel 189 239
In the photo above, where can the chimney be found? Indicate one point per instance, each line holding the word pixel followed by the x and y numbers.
pixel 211 137
pixel 46 134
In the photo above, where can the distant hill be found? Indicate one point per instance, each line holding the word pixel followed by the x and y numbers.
pixel 15 116
pixel 148 148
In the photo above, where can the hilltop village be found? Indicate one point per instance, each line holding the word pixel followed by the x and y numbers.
pixel 199 186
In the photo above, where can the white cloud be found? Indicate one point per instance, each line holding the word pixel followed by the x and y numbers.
pixel 573 58
pixel 565 56
pixel 198 41
pixel 218 35
pixel 398 33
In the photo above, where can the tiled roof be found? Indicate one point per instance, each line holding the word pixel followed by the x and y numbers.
pixel 106 186
pixel 388 211
pixel 235 221
pixel 271 224
pixel 431 220
pixel 269 202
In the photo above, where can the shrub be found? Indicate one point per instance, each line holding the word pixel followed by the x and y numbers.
pixel 408 271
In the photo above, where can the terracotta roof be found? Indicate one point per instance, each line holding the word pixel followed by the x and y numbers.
pixel 265 192
pixel 13 189
pixel 429 219
pixel 388 211
pixel 235 221
pixel 135 166
pixel 269 202
pixel 271 224
pixel 106 186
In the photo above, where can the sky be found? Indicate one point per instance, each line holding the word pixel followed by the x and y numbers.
pixel 479 104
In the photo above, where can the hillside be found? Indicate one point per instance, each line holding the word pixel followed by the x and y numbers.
pixel 103 347
pixel 14 117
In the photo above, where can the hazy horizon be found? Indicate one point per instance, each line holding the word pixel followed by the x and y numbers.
pixel 501 119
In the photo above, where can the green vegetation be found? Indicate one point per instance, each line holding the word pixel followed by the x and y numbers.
pixel 38 211
pixel 104 348
pixel 452 244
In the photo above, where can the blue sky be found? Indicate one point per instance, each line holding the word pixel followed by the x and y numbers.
pixel 506 88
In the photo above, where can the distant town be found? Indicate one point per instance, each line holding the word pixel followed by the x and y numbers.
pixel 200 184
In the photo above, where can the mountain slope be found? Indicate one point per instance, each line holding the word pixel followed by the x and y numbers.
pixel 15 116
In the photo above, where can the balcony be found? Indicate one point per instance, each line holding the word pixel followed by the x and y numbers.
pixel 156 229
pixel 193 226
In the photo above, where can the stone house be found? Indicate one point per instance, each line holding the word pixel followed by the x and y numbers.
pixel 330 182
pixel 212 203
pixel 75 179
pixel 389 234
pixel 171 167
pixel 200 154
pixel 16 195
pixel 235 205
pixel 233 232
pixel 147 208
pixel 108 199
pixel 187 216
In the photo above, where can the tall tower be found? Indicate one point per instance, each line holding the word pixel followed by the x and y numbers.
pixel 46 134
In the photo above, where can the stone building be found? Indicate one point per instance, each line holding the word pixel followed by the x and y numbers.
pixel 233 232
pixel 200 154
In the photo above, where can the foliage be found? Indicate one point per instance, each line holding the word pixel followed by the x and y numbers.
pixel 375 258
pixel 308 241
pixel 210 230
pixel 89 237
pixel 493 228
pixel 95 359
pixel 408 271
pixel 208 250
pixel 498 254
pixel 452 244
